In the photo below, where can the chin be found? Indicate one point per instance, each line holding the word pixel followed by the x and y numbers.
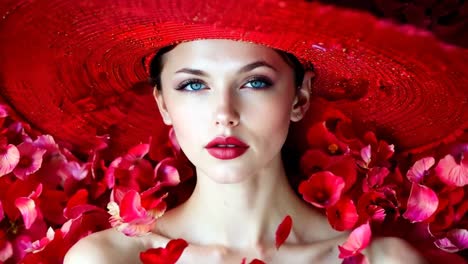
pixel 227 175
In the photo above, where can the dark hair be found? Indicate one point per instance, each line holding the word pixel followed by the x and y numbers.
pixel 157 64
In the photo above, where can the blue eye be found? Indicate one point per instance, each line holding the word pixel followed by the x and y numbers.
pixel 191 85
pixel 258 84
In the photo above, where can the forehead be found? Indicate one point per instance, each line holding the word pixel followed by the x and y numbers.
pixel 220 52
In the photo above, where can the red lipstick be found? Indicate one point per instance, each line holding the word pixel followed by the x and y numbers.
pixel 226 148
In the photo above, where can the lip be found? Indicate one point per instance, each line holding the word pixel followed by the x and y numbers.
pixel 226 153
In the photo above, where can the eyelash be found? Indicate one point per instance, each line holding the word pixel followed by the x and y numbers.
pixel 267 83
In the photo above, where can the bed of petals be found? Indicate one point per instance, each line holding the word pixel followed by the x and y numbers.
pixel 51 197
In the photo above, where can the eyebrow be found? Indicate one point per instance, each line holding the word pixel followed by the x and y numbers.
pixel 245 68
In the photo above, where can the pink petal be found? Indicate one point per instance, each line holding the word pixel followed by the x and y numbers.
pixel 130 207
pixel 27 208
pixel 30 160
pixel 357 241
pixel 166 172
pixel 422 203
pixel 452 173
pixel 40 244
pixel 9 158
pixel 283 231
pixel 6 252
pixel 420 169
pixel 76 170
pixel 456 240
pixel 366 154
pixel 3 111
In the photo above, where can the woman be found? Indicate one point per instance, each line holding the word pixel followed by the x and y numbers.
pixel 230 104
pixel 230 88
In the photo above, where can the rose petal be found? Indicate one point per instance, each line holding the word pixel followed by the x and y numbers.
pixel 343 215
pixel 9 158
pixel 357 241
pixel 27 208
pixel 130 207
pixel 322 189
pixel 366 154
pixel 6 251
pixel 283 231
pixel 456 240
pixel 452 173
pixel 420 169
pixel 3 111
pixel 168 255
pixel 166 172
pixel 30 160
pixel 256 261
pixel 422 203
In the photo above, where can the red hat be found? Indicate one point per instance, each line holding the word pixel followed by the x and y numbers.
pixel 76 69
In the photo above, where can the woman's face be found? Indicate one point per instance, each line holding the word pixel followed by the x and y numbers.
pixel 224 88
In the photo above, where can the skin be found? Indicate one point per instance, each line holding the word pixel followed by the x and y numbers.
pixel 237 204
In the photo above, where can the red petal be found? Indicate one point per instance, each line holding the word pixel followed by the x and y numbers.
pixel 139 151
pixel 130 206
pixel 168 255
pixel 283 231
pixel 357 241
pixel 420 169
pixel 343 215
pixel 322 189
pixel 27 208
pixel 422 203
pixel 256 261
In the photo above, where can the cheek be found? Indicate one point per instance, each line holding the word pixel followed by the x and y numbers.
pixel 188 121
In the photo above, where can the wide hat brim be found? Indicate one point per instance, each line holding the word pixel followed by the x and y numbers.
pixel 76 69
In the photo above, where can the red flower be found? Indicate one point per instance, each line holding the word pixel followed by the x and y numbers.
pixel 168 255
pixel 322 189
pixel 343 215
pixel 283 231
pixel 376 205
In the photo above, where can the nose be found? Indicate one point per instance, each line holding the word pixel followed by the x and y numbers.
pixel 226 114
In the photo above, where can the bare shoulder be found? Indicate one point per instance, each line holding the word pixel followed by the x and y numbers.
pixel 107 246
pixel 393 250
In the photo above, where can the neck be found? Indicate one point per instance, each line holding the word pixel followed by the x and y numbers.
pixel 244 214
